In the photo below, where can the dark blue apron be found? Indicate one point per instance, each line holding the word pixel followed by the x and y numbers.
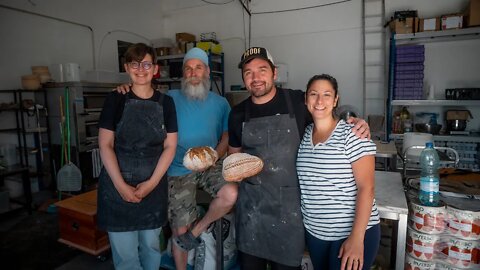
pixel 268 215
pixel 139 138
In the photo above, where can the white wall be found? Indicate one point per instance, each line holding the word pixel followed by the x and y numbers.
pixel 29 40
pixel 320 40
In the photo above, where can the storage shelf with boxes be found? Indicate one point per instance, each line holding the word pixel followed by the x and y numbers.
pixel 408 21
pixel 472 13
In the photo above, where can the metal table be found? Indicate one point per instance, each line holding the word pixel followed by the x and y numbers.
pixel 392 204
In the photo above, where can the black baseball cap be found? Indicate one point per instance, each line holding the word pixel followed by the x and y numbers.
pixel 255 52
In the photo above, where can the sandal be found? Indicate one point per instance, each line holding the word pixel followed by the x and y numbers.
pixel 187 241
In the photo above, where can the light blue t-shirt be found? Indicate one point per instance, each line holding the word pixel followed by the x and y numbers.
pixel 200 123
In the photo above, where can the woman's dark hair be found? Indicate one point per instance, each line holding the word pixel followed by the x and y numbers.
pixel 137 52
pixel 324 77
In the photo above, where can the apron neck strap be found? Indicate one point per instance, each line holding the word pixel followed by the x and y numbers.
pixel 286 95
pixel 160 98
pixel 291 112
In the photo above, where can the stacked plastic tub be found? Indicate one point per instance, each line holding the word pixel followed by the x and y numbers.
pixel 468 152
pixel 409 72
pixel 443 237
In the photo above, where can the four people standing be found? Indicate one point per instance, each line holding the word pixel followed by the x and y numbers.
pixel 269 124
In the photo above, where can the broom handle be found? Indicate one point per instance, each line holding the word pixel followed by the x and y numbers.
pixel 67 108
pixel 62 129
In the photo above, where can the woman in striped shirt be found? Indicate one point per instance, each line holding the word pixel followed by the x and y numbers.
pixel 336 173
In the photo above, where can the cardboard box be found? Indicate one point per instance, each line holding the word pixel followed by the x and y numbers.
pixel 459 114
pixel 404 26
pixel 452 21
pixel 429 24
pixel 472 14
pixel 184 37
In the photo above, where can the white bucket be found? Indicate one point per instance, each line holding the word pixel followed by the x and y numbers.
pixel 463 224
pixel 72 72
pixel 14 186
pixel 423 246
pixel 427 219
pixel 57 72
pixel 69 72
pixel 412 263
pixel 4 200
pixel 462 253
pixel 9 154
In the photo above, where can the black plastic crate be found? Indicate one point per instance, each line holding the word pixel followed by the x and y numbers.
pixel 462 93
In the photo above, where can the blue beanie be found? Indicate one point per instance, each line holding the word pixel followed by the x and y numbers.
pixel 196 53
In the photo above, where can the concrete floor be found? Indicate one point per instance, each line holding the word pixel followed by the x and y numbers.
pixel 86 261
pixel 80 260
pixel 35 246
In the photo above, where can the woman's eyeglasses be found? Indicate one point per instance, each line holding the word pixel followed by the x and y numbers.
pixel 145 65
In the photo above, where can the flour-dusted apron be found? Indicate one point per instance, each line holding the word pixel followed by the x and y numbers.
pixel 139 138
pixel 269 219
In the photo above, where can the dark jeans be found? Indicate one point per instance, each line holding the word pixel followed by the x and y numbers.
pixel 249 262
pixel 324 254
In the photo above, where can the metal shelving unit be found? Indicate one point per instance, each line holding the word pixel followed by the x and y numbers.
pixel 474 138
pixel 41 148
pixel 438 36
pixel 421 38
pixel 438 102
pixel 467 145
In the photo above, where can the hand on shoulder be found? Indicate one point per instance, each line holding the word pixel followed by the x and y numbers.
pixel 123 88
pixel 361 128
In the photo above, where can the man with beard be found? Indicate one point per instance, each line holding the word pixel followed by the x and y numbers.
pixel 269 124
pixel 202 118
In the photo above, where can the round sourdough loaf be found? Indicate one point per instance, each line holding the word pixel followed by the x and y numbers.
pixel 200 158
pixel 238 166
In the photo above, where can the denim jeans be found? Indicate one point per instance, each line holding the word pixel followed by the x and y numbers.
pixel 324 254
pixel 136 249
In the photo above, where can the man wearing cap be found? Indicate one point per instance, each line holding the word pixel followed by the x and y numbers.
pixel 269 124
pixel 202 118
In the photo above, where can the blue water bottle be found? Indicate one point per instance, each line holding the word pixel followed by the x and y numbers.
pixel 429 179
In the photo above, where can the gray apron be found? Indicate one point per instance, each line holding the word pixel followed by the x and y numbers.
pixel 269 219
pixel 139 138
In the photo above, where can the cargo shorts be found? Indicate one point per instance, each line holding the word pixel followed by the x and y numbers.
pixel 182 191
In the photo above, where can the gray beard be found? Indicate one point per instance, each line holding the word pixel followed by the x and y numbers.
pixel 196 92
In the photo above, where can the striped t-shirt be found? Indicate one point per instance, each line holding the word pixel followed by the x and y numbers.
pixel 328 189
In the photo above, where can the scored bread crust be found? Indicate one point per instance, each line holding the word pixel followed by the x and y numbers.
pixel 200 158
pixel 238 166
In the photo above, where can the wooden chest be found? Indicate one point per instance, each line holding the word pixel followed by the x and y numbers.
pixel 78 224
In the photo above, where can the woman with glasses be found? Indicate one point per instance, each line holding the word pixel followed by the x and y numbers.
pixel 336 171
pixel 137 139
